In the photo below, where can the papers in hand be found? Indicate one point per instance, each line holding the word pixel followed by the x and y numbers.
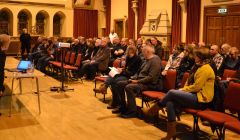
pixel 114 71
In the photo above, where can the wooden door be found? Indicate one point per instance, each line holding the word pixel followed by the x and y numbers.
pixel 231 30
pixel 214 30
pixel 222 28
pixel 119 27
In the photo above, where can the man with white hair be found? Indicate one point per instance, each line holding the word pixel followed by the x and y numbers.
pixel 4 44
pixel 147 78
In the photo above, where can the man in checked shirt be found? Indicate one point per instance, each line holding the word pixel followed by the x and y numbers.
pixel 217 59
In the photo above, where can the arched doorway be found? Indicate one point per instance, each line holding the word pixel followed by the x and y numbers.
pixel 58 23
pixel 24 20
pixel 42 22
pixel 6 21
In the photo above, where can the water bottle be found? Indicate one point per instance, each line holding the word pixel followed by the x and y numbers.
pixel 30 68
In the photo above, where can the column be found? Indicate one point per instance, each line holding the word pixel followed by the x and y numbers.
pixel 134 7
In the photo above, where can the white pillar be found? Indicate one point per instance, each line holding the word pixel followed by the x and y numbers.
pixel 50 26
pixel 15 24
pixel 134 7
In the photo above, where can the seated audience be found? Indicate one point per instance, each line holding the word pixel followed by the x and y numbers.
pixel 225 49
pixel 232 62
pixel 139 46
pixel 75 46
pixel 217 59
pixel 158 47
pixel 133 62
pixel 197 92
pixel 146 78
pixel 174 59
pixel 186 63
pixel 98 63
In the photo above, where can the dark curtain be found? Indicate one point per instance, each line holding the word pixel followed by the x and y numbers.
pixel 131 20
pixel 176 23
pixel 85 23
pixel 193 20
pixel 142 5
pixel 107 4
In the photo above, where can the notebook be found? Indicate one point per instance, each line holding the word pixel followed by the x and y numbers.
pixel 22 66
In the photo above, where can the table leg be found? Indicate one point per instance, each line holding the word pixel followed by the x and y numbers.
pixel 20 85
pixel 11 99
pixel 38 93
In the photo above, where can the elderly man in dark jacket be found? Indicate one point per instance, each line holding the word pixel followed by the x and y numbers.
pixel 98 63
pixel 147 78
pixel 4 44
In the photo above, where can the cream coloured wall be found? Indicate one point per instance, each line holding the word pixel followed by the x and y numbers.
pixel 208 3
pixel 98 5
pixel 119 9
pixel 160 4
pixel 67 27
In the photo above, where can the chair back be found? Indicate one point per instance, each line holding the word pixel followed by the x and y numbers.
pixel 169 81
pixel 229 74
pixel 72 58
pixel 184 79
pixel 232 97
pixel 78 60
pixel 67 56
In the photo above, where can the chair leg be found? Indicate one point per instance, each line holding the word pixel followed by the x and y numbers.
pixel 95 86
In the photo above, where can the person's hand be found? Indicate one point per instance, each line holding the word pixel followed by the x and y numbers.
pixel 164 73
pixel 116 52
pixel 92 61
pixel 134 81
pixel 120 70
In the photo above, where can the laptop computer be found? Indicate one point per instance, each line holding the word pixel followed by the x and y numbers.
pixel 22 66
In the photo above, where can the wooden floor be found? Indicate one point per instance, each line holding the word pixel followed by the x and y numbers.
pixel 77 115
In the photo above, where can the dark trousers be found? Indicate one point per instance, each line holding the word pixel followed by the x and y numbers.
pixel 89 69
pixel 112 82
pixel 43 62
pixel 23 48
pixel 178 99
pixel 132 90
pixel 2 65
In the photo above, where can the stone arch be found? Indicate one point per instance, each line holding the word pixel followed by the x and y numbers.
pixel 24 20
pixel 59 23
pixel 42 23
pixel 6 21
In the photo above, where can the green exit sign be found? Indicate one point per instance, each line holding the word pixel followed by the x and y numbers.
pixel 222 10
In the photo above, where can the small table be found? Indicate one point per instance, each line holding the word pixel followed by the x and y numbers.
pixel 19 76
pixel 12 63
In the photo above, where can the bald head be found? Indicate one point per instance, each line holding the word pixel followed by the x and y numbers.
pixel 4 42
pixel 148 51
pixel 214 50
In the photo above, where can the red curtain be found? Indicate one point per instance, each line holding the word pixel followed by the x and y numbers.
pixel 176 23
pixel 142 6
pixel 193 20
pixel 131 20
pixel 85 23
pixel 107 4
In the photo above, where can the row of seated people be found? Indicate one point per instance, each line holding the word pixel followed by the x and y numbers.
pixel 47 49
pixel 198 90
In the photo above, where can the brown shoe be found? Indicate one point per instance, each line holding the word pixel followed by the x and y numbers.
pixel 171 131
pixel 102 89
pixel 152 111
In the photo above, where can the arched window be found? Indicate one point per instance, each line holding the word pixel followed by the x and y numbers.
pixel 4 22
pixel 22 21
pixel 57 25
pixel 40 23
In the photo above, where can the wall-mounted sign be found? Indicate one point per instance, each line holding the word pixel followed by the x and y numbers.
pixel 222 10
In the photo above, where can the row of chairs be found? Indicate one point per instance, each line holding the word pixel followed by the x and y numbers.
pixel 71 62
pixel 224 121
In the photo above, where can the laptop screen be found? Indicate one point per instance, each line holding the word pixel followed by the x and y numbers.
pixel 23 65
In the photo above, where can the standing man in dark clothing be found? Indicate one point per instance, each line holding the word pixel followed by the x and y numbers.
pixel 25 40
pixel 4 43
